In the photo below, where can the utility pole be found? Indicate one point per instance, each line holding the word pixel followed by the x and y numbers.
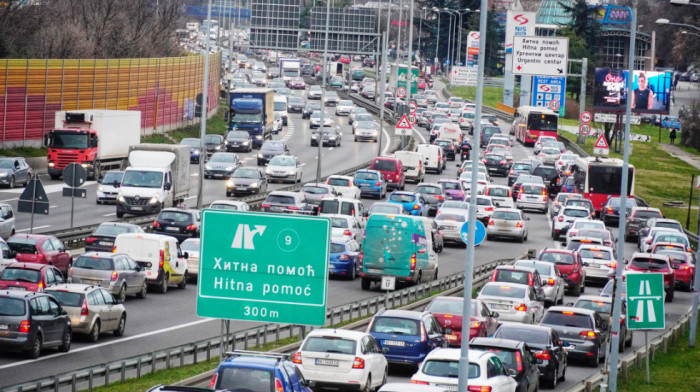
pixel 382 97
pixel 203 114
pixel 323 92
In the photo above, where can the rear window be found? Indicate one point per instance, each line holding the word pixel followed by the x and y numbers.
pixel 451 217
pixel 513 276
pixel 23 245
pixel 545 171
pixel 112 230
pixel 557 258
pixel 447 368
pixel 598 306
pixel 21 275
pixel 339 182
pixel 347 208
pixel 526 335
pixel 504 291
pixel 522 166
pixel 649 263
pixel 175 216
pixel 396 326
pixel 384 165
pixel 395 209
pixel 95 263
pixel 670 225
pixel 339 223
pixel 224 207
pixel 647 214
pixel 576 212
pixel 570 319
pixel 366 176
pixel 12 307
pixel 279 199
pixel 66 298
pixel 402 198
pixel 507 357
pixel 506 215
pixel 337 248
pixel 451 186
pixel 250 380
pixel 315 190
pixel 498 192
pixel 429 190
pixel 329 345
pixel 532 189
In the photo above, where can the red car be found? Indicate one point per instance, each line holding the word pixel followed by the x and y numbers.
pixel 297 83
pixel 682 264
pixel 448 312
pixel 345 59
pixel 41 249
pixel 656 263
pixel 392 170
pixel 570 266
pixel 421 83
pixel 29 277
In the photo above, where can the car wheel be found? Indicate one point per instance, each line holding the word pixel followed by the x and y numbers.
pixel 368 384
pixel 521 239
pixel 183 284
pixel 669 296
pixel 66 340
pixel 94 332
pixel 353 273
pixel 121 327
pixel 691 284
pixel 26 181
pixel 144 289
pixel 121 297
pixel 163 288
pixel 553 381
pixel 12 182
pixel 576 291
pixel 35 351
pixel 555 235
pixel 120 214
pixel 365 283
pixel 593 360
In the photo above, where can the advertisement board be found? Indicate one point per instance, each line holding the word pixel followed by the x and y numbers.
pixel 472 49
pixel 651 91
pixel 519 23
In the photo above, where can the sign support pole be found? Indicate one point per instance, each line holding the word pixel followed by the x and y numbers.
pixel 582 97
pixel 324 76
pixel 72 200
pixel 203 117
pixel 696 296
pixel 382 89
pixel 31 221
pixel 646 347
pixel 617 305
pixel 469 262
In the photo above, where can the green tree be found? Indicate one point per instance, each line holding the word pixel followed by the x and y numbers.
pixel 583 23
pixel 690 131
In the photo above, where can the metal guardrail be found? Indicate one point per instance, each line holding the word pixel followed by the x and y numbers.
pixel 195 352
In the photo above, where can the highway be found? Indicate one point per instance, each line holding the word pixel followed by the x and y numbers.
pixel 162 321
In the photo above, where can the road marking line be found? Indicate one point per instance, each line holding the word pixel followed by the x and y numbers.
pixel 94 346
pixel 49 188
pixel 16 198
pixel 53 206
pixel 114 213
pixel 191 197
pixel 36 228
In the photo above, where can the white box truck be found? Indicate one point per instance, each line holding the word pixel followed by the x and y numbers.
pixel 158 176
pixel 97 139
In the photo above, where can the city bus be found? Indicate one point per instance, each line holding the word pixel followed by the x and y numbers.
pixel 598 178
pixel 531 122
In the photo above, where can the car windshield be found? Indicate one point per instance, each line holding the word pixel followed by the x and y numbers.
pixel 296 100
pixel 396 326
pixel 66 298
pixel 190 142
pixel 345 102
pixel 503 291
pixel 212 139
pixel 649 263
pixel 174 216
pixel 332 344
pixel 245 379
pixel 69 140
pixel 94 263
pixel 365 125
pixel 223 157
pixel 245 173
pixel 21 275
pixel 7 163
pixel 282 161
pixel 142 179
pixel 12 307
pixel 113 230
pixel 112 177
pixel 598 306
pixel 567 319
pixel 280 106
pixel 557 258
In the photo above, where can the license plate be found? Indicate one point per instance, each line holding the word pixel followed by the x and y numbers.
pixel 90 282
pixel 4 327
pixel 276 208
pixel 499 306
pixel 172 228
pixel 106 243
pixel 396 343
pixel 241 188
pixel 451 337
pixel 137 208
pixel 363 185
pixel 18 288
pixel 374 270
pixel 327 362
pixel 218 175
pixel 447 387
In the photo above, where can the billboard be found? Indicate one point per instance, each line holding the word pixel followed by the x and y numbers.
pixel 519 23
pixel 651 91
pixel 473 49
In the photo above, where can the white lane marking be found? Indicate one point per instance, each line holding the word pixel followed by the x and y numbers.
pixel 191 197
pixel 53 206
pixel 303 164
pixel 386 137
pixel 49 188
pixel 36 228
pixel 94 346
pixel 113 213
pixel 3 201
pixel 331 149
pixel 194 175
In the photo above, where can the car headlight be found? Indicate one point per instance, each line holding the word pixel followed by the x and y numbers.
pixel 268 170
pixel 245 143
pixel 195 152
pixel 121 199
pixel 254 185
pixel 100 188
pixel 230 168
pixel 217 147
pixel 208 167
pixel 259 137
pixel 52 164
pixel 260 156
pixel 153 200
pixel 230 184
pixel 3 174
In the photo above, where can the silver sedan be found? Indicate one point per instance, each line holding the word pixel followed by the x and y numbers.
pixel 552 281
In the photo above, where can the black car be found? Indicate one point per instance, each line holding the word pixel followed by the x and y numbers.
pixel 309 108
pixel 584 329
pixel 246 181
pixel 368 62
pixel 487 132
pixel 295 105
pixel 102 239
pixel 214 143
pixel 32 322
pixel 178 222
pixel 271 148
pixel 448 147
pixel 496 164
pixel 515 355
pixel 433 194
pixel 610 213
pixel 551 178
pixel 545 344
pixel 287 203
pixel 239 141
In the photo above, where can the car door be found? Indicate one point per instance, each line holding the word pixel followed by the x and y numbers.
pixel 530 368
pixel 438 336
pixel 62 258
pixel 180 263
pixel 490 322
pixel 52 329
pixel 560 355
pixel 535 304
pixel 604 329
pixel 97 305
pixel 111 309
pixel 121 265
pixel 40 318
pixel 498 379
pixel 7 223
pixel 57 321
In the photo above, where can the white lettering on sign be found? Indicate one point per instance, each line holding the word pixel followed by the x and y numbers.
pixel 540 56
pixel 286 289
pixel 231 285
pixel 290 270
pixel 234 266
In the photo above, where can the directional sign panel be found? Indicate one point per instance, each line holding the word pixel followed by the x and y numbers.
pixel 263 267
pixel 547 56
pixel 645 301
pixel 464 76
pixel 548 89
pixel 612 118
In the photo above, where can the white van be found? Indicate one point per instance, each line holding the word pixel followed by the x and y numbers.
pixel 433 157
pixel 451 132
pixel 160 255
pixel 343 206
pixel 412 165
pixel 281 107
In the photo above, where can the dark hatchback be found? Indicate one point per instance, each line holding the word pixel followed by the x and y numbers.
pixel 102 239
pixel 517 169
pixel 610 213
pixel 179 223
pixel 515 355
pixel 295 105
pixel 239 141
pixel 246 181
pixel 270 149
pixel 551 179
pixel 214 143
pixel 32 322
pixel 496 164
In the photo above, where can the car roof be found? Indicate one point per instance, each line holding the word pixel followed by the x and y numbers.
pixel 29 266
pixel 20 293
pixel 497 342
pixel 513 267
pixel 594 298
pixel 519 263
pixel 596 246
pixel 398 313
pixel 73 287
pixel 571 309
pixel 101 254
pixel 283 193
pixel 335 332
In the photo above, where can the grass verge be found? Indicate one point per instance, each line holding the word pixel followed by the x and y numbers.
pixel 27 152
pixel 492 95
pixel 215 125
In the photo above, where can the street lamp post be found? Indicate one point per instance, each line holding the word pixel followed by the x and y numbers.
pixel 437 43
pixel 664 22
pixel 449 38
pixel 420 30
pixel 685 32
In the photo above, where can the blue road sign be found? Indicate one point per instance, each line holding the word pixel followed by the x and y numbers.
pixel 547 89
pixel 480 232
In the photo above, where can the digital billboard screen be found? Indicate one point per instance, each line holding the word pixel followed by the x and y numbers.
pixel 651 91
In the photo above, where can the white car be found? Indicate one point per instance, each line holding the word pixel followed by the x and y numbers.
pixel 230 205
pixel 598 262
pixel 346 227
pixel 484 208
pixel 450 222
pixel 345 185
pixel 513 302
pixel 284 168
pixel 645 243
pixel 549 155
pixel 315 120
pixel 486 372
pixel 564 159
pixel 340 358
pixel 442 107
pixel 500 195
pixel 581 224
pixel 108 189
pixel 482 182
pixel 539 143
pixel 453 206
pixel 566 216
pixel 277 123
pixel 455 102
pixel 344 107
pixel 552 281
pixel 191 246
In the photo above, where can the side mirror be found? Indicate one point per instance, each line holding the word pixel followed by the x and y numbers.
pixel 495 315
pixel 512 373
pixel 116 184
pixel 311 383
pixel 138 269
pixel 99 181
pixel 185 255
pixel 569 304
pixel 47 140
pixel 167 186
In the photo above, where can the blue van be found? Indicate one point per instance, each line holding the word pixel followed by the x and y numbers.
pixel 398 248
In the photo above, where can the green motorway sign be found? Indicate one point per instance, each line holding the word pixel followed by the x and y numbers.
pixel 402 74
pixel 645 301
pixel 263 267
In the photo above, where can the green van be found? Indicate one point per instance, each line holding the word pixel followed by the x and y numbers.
pixel 397 248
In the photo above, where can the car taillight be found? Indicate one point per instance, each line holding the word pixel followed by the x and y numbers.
pixel 420 382
pixel 378 183
pixel 521 308
pixel 423 335
pixel 162 259
pixel 588 334
pixel 84 308
pixel 519 224
pixel 115 275
pixel 362 258
pixel 520 196
pixel 489 209
pixel 478 388
pixel 511 171
pixel 491 222
pixel 550 282
pixel 297 357
pixel 544 192
pixel 413 262
pixel 278 385
pixel 397 176
pixel 475 324
pixel 156 224
pixel 24 326
pixel 114 249
pixel 543 355
pixel 191 228
pixel 610 210
pixel 90 239
pixel 519 361
pixel 41 285
pixel 438 197
pixel 294 208
pixel 612 265
pixel 344 257
pixel 560 219
pixel 416 206
pixel 358 363
pixel 347 232
pixel 265 205
pixel 503 162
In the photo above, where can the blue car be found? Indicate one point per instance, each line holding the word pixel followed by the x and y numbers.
pixel 258 371
pixel 195 149
pixel 412 202
pixel 371 183
pixel 406 336
pixel 344 258
pixel 568 186
pixel 671 122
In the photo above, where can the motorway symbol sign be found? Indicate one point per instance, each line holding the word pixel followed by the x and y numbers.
pixel 601 146
pixel 263 267
pixel 34 199
pixel 585 129
pixel 74 175
pixel 401 92
pixel 645 301
pixel 480 232
pixel 412 119
pixel 585 117
pixel 413 107
pixel 554 105
pixel 540 55
pixel 403 123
